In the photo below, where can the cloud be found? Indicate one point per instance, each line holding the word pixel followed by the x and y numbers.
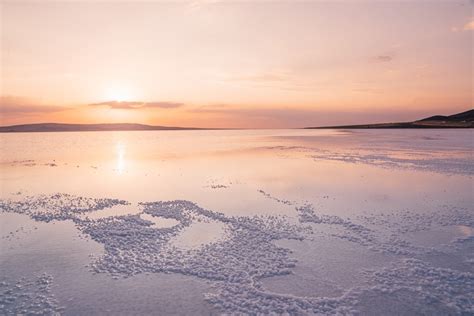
pixel 383 58
pixel 265 77
pixel 281 80
pixel 119 105
pixel 136 105
pixel 469 26
pixel 164 105
pixel 19 105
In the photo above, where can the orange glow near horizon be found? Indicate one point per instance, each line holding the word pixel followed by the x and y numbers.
pixel 119 94
pixel 234 64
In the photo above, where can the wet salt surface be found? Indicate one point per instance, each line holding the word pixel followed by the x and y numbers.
pixel 200 233
pixel 28 297
pixel 282 233
pixel 159 222
pixel 441 235
pixel 435 151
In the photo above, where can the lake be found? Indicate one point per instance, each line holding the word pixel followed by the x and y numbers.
pixel 238 221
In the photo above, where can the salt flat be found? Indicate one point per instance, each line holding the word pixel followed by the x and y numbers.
pixel 231 222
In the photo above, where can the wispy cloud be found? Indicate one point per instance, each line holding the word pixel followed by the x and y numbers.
pixel 136 105
pixel 278 79
pixel 164 105
pixel 469 26
pixel 19 105
pixel 383 58
pixel 263 77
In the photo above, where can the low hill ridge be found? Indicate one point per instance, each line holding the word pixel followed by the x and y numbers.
pixel 459 120
pixel 59 127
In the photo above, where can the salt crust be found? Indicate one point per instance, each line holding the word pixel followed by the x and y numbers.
pixel 448 165
pixel 28 297
pixel 236 264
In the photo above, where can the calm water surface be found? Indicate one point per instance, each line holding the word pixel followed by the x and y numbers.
pixel 377 199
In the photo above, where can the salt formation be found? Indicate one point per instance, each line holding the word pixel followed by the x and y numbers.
pixel 438 290
pixel 25 163
pixel 427 161
pixel 409 221
pixel 269 196
pixel 374 240
pixel 31 163
pixel 28 297
pixel 46 208
pixel 236 263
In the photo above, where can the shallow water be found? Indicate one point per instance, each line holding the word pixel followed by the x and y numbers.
pixel 296 221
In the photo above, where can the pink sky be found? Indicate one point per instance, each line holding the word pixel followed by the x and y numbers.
pixel 221 64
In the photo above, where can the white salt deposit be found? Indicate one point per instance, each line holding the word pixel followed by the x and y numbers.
pixel 56 207
pixel 28 297
pixel 237 262
pixel 269 196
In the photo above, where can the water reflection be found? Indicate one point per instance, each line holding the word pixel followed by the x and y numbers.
pixel 120 165
pixel 224 170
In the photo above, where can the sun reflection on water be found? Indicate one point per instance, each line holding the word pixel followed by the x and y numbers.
pixel 120 166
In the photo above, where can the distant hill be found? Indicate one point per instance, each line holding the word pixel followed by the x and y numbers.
pixel 460 120
pixel 57 127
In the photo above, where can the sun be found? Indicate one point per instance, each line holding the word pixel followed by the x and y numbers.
pixel 119 94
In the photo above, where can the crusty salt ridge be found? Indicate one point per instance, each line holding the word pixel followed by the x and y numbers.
pixel 410 221
pixel 58 206
pixel 357 233
pixel 31 163
pixel 271 197
pixel 410 275
pixel 28 297
pixel 383 232
pixel 236 264
pixel 437 290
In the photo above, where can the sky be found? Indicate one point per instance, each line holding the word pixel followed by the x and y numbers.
pixel 249 64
